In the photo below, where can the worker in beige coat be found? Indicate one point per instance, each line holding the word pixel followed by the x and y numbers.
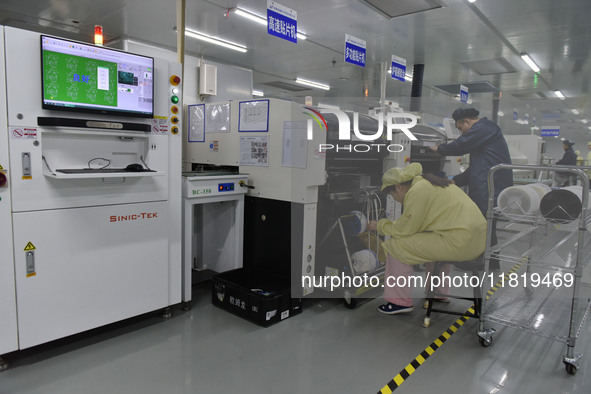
pixel 439 222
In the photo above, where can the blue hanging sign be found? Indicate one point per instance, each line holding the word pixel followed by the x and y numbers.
pixel 550 131
pixel 354 50
pixel 398 68
pixel 463 94
pixel 282 22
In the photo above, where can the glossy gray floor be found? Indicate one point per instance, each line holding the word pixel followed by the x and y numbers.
pixel 326 349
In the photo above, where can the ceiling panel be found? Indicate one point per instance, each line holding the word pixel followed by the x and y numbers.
pixel 455 42
pixel 396 8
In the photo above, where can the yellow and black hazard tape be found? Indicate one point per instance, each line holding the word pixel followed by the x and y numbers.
pixel 425 354
pixel 429 350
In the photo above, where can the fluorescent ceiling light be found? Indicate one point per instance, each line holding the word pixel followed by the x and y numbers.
pixel 215 40
pixel 501 113
pixel 258 93
pixel 559 94
pixel 261 20
pixel 312 83
pixel 575 111
pixel 530 62
pixel 471 1
pixel 584 121
pixel 251 15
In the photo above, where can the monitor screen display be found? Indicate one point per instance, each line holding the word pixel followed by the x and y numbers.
pixel 89 78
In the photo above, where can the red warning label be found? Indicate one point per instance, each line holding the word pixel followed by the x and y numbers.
pixel 23 133
pixel 160 125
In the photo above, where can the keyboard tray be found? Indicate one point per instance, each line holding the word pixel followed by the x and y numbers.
pixel 96 170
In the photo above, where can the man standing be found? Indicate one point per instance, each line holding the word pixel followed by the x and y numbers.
pixel 568 159
pixel 484 141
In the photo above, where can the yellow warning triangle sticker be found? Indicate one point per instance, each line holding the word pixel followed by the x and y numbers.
pixel 1 168
pixel 29 246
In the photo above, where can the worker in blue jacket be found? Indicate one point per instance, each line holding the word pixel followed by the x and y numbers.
pixel 484 141
pixel 568 159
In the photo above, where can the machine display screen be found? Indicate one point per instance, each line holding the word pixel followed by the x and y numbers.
pixel 89 78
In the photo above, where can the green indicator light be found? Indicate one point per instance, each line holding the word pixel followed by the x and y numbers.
pixel 535 80
pixel 174 99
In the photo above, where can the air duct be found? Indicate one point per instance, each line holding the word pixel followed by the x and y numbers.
pixel 416 89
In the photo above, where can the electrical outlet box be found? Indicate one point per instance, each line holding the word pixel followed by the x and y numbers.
pixel 208 79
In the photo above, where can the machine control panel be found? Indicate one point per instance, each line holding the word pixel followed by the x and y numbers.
pixel 226 187
pixel 195 186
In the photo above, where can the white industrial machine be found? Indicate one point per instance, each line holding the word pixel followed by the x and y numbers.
pixel 525 149
pixel 528 145
pixel 213 224
pixel 93 191
pixel 268 140
pixel 8 322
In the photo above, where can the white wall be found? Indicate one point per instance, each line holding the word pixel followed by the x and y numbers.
pixel 233 83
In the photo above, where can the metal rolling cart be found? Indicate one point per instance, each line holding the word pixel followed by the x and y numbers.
pixel 547 290
pixel 353 251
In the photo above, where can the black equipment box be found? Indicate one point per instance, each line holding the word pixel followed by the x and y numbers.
pixel 254 295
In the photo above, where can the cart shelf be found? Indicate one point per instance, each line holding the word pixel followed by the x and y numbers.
pixel 539 248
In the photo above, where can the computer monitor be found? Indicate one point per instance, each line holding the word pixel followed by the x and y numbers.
pixel 88 78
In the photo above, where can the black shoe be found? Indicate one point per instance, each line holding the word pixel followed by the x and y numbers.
pixel 393 309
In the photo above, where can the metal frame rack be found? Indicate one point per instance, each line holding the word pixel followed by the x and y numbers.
pixel 547 291
pixel 372 208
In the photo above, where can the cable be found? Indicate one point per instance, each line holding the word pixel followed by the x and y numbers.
pixel 144 163
pixel 99 158
pixel 47 164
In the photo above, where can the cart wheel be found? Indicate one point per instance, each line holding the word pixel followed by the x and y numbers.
pixel 187 306
pixel 484 342
pixel 571 369
pixel 350 303
pixel 427 322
